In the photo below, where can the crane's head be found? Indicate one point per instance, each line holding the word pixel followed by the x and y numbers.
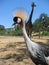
pixel 18 20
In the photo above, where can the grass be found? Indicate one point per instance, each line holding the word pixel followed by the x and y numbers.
pixel 45 33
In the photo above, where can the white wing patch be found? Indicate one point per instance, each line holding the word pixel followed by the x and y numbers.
pixel 47 59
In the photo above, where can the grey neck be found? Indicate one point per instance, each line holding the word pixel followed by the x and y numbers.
pixel 30 17
pixel 25 34
pixel 29 43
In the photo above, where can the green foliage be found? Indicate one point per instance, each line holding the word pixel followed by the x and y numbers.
pixel 37 25
pixel 41 24
pixel 2 30
pixel 2 27
pixel 45 33
pixel 17 31
pixel 8 31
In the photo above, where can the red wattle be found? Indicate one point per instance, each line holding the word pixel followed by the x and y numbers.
pixel 21 25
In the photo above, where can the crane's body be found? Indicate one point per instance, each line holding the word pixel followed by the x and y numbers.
pixel 29 22
pixel 38 53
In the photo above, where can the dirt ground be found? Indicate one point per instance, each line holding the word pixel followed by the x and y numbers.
pixel 13 50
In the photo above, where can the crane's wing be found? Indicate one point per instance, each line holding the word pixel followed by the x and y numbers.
pixel 45 50
pixel 44 45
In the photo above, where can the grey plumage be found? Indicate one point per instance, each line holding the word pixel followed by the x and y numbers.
pixel 38 53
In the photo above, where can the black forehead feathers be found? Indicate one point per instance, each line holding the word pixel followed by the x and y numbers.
pixel 16 18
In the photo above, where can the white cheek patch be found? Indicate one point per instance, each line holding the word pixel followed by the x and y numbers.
pixel 19 20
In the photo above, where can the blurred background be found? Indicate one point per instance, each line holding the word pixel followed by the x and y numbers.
pixel 21 8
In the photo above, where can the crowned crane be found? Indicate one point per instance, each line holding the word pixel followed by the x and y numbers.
pixel 38 53
pixel 29 22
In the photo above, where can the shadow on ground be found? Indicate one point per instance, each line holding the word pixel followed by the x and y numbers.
pixel 15 53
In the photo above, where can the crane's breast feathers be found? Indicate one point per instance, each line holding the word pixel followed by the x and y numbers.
pixel 39 51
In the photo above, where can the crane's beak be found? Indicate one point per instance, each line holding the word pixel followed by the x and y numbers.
pixel 14 23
